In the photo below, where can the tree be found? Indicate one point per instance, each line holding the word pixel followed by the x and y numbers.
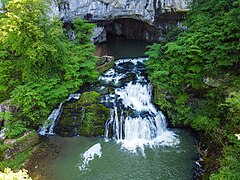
pixel 39 65
pixel 196 76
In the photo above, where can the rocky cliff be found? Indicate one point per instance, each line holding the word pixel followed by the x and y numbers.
pixel 144 10
pixel 150 13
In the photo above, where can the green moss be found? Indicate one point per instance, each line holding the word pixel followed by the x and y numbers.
pixel 88 98
pixel 94 120
pixel 85 117
pixel 17 150
pixel 6 146
pixel 32 134
pixel 12 147
pixel 1 151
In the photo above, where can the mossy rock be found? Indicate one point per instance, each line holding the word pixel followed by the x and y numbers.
pixel 88 98
pixel 70 119
pixel 11 147
pixel 94 120
pixel 84 117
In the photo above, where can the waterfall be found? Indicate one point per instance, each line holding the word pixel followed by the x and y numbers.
pixel 134 121
pixel 48 126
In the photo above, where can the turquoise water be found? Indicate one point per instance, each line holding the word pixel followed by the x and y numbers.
pixel 115 163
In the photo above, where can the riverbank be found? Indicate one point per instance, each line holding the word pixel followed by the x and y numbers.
pixel 46 151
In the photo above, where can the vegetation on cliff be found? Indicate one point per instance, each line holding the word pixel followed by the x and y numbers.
pixel 196 80
pixel 39 65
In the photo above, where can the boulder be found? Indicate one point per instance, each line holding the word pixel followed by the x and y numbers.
pixel 85 117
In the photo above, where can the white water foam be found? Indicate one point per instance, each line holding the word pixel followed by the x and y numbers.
pixel 147 127
pixel 132 60
pixel 89 155
pixel 136 96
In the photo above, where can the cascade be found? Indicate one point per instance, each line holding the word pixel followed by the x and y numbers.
pixel 134 121
pixel 132 124
pixel 48 126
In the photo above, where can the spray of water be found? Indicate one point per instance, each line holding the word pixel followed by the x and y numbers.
pixel 134 121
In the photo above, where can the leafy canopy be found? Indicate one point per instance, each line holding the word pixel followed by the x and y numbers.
pixel 39 65
pixel 196 76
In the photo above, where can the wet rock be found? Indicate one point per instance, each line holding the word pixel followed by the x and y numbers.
pixel 105 66
pixel 125 79
pixel 130 77
pixel 124 67
pixel 85 116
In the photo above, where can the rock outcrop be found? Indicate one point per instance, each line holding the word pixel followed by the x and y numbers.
pixel 85 117
pixel 143 10
pixel 135 19
pixel 12 147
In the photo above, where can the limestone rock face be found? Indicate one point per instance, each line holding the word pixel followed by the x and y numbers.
pixel 143 10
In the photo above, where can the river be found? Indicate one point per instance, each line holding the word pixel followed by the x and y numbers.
pixel 137 144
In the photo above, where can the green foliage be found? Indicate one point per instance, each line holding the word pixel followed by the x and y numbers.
pixel 88 98
pixel 39 65
pixel 14 129
pixel 230 164
pixel 4 2
pixel 83 31
pixel 6 115
pixel 196 75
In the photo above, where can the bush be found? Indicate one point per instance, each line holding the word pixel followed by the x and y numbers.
pixel 14 129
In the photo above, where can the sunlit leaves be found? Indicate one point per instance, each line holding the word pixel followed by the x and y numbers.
pixel 39 65
pixel 197 77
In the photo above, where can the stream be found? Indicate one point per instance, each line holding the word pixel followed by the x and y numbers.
pixel 137 143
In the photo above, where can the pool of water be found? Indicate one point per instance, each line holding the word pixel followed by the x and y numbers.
pixel 120 47
pixel 176 162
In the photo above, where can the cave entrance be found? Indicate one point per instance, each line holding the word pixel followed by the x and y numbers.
pixel 132 29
